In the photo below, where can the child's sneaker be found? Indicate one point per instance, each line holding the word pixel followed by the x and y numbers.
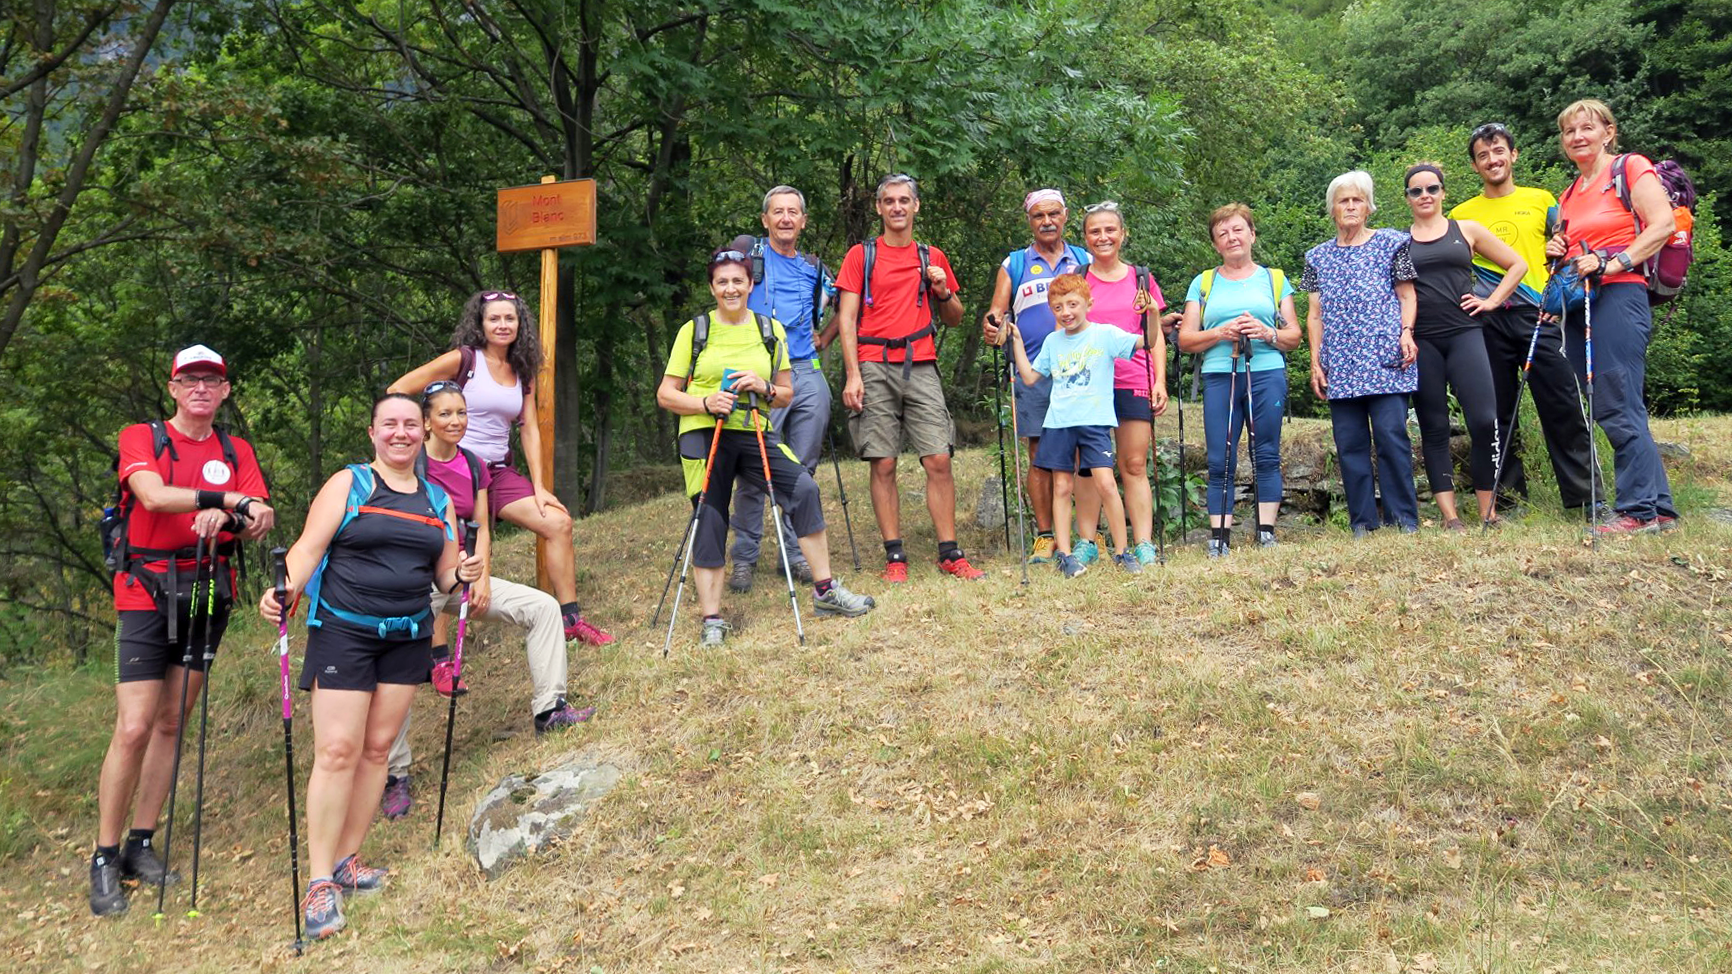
pixel 1128 562
pixel 562 715
pixel 578 628
pixel 715 634
pixel 1146 552
pixel 322 909
pixel 960 567
pixel 1040 552
pixel 445 680
pixel 841 602
pixel 352 877
pixel 1070 565
pixel 895 571
pixel 1086 552
pixel 397 800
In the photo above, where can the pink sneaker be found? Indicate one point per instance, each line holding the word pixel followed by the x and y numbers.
pixel 444 675
pixel 579 628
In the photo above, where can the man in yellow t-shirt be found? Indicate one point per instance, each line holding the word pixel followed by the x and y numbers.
pixel 1519 216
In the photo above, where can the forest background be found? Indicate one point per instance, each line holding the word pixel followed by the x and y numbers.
pixel 308 187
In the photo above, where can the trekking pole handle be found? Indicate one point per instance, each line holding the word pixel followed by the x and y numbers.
pixel 280 574
pixel 470 528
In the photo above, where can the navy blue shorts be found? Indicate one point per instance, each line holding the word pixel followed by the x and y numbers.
pixel 1074 448
pixel 1132 406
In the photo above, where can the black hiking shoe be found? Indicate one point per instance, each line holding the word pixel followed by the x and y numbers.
pixel 138 860
pixel 106 896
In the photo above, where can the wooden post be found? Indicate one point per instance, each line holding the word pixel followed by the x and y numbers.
pixel 544 397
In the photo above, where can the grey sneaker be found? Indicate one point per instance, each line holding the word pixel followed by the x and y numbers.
pixel 841 602
pixel 322 908
pixel 138 860
pixel 1128 562
pixel 106 896
pixel 1069 565
pixel 352 877
pixel 1266 539
pixel 715 633
pixel 740 579
pixel 1217 548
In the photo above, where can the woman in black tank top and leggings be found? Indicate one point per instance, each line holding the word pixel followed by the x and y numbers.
pixel 1451 344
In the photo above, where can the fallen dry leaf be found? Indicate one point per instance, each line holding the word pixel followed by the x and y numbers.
pixel 1309 800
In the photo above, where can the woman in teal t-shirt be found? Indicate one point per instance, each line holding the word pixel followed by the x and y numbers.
pixel 1240 318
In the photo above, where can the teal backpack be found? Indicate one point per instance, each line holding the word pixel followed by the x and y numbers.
pixel 361 491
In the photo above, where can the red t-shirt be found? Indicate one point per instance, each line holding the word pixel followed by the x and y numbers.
pixel 898 308
pixel 1597 217
pixel 200 466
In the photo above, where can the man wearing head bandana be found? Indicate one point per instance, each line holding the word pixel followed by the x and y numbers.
pixel 1022 282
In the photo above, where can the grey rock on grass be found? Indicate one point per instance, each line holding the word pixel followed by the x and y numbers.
pixel 524 813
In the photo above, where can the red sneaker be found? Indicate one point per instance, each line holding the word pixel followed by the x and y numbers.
pixel 579 628
pixel 895 571
pixel 1625 524
pixel 444 675
pixel 960 567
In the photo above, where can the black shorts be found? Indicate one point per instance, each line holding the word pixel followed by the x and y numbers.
pixel 142 650
pixel 342 658
pixel 1132 407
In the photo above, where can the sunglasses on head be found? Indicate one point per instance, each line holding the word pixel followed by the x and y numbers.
pixel 435 388
pixel 1488 130
pixel 1106 206
pixel 728 255
pixel 498 296
pixel 1433 189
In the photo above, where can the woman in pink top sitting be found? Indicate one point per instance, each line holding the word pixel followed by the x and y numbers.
pixel 495 356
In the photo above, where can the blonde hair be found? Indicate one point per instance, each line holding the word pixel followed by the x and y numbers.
pixel 1592 106
pixel 1358 179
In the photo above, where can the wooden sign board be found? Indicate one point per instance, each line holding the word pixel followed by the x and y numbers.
pixel 546 215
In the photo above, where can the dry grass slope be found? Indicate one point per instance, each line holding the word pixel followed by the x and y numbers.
pixel 1500 753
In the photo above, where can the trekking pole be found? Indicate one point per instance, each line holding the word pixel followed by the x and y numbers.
pixel 469 530
pixel 1016 463
pixel 998 414
pixel 1184 486
pixel 714 439
pixel 1154 444
pixel 280 568
pixel 1593 441
pixel 1505 443
pixel 203 722
pixel 776 515
pixel 836 465
pixel 180 731
pixel 1251 436
pixel 1230 465
pixel 685 552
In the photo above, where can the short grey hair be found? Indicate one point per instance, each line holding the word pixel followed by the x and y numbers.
pixel 896 179
pixel 784 191
pixel 1358 179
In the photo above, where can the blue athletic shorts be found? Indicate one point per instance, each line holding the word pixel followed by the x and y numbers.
pixel 1073 448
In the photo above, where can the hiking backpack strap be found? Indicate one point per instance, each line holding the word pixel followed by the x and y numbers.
pixel 1202 312
pixel 922 295
pixel 819 273
pixel 869 257
pixel 700 339
pixel 361 485
pixel 757 256
pixel 465 365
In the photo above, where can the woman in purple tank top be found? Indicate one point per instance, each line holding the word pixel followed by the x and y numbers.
pixel 495 356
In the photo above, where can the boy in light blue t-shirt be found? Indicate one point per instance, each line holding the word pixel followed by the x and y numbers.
pixel 1076 435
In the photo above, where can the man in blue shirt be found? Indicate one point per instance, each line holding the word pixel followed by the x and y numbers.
pixel 793 289
pixel 1021 287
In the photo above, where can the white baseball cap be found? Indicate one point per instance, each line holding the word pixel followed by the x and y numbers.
pixel 198 356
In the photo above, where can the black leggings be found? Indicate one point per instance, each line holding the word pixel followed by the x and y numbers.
pixel 1460 361
pixel 737 457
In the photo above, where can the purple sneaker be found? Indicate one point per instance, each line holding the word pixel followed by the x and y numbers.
pixel 397 800
pixel 562 715
pixel 579 628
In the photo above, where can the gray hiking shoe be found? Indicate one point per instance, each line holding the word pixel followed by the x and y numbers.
pixel 1069 565
pixel 715 633
pixel 138 860
pixel 106 896
pixel 740 578
pixel 841 602
pixel 802 572
pixel 1128 562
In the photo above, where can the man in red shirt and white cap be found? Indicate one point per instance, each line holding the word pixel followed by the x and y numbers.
pixel 183 481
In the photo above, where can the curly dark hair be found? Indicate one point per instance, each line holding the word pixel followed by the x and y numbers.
pixel 524 353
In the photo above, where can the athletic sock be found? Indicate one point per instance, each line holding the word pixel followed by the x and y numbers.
pixel 893 550
pixel 441 652
pixel 949 551
pixel 108 852
pixel 1043 534
pixel 1268 529
pixel 139 836
pixel 823 586
pixel 569 610
pixel 1221 534
pixel 717 618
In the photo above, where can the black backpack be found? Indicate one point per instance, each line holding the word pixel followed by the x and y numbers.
pixel 701 339
pixel 117 552
pixel 757 256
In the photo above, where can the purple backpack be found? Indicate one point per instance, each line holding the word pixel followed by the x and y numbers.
pixel 1666 270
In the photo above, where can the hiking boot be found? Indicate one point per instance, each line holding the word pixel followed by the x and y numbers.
pixel 960 567
pixel 106 896
pixel 802 572
pixel 895 571
pixel 1454 524
pixel 352 877
pixel 562 716
pixel 578 628
pixel 715 633
pixel 1266 539
pixel 841 602
pixel 1666 522
pixel 740 577
pixel 138 860
pixel 1086 552
pixel 322 909
pixel 1146 552
pixel 397 800
pixel 1625 524
pixel 1069 565
pixel 1128 562
pixel 1040 552
pixel 1217 548
pixel 445 680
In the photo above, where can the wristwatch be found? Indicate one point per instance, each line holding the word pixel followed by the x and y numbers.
pixel 1624 258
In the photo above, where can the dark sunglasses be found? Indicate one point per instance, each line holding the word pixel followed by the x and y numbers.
pixel 1488 130
pixel 435 388
pixel 728 255
pixel 498 296
pixel 1415 192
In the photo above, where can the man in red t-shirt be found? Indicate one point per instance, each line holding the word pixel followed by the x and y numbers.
pixel 188 491
pixel 888 327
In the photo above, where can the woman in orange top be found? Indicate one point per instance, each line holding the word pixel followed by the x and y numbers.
pixel 1607 241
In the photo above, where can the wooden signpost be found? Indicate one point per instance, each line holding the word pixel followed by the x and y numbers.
pixel 546 217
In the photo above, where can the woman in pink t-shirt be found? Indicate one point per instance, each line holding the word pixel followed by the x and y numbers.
pixel 1608 241
pixel 1139 382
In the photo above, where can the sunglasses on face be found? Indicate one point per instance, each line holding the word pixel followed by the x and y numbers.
pixel 1415 192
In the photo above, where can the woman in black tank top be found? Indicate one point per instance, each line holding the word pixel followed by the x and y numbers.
pixel 369 651
pixel 1452 354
